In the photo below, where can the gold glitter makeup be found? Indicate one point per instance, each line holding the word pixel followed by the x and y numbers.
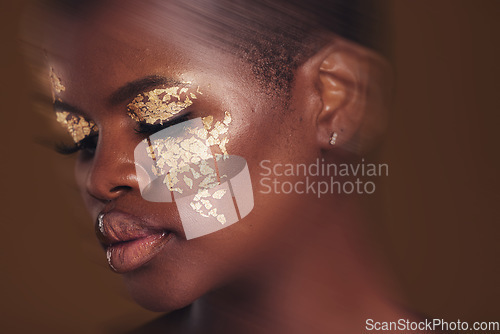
pixel 158 105
pixel 183 164
pixel 77 126
pixel 57 85
pixel 189 163
pixel 216 131
pixel 187 159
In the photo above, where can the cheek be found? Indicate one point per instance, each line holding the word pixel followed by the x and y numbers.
pixel 266 138
pixel 81 172
pixel 275 136
pixel 82 168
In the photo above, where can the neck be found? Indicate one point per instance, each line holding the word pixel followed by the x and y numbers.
pixel 329 276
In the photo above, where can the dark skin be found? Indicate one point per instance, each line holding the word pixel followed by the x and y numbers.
pixel 296 260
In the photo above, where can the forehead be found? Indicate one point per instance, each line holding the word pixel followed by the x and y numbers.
pixel 118 42
pixel 150 20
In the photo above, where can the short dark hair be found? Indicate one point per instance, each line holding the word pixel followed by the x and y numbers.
pixel 277 36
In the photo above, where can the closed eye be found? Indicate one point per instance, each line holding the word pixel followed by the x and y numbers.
pixel 87 145
pixel 149 129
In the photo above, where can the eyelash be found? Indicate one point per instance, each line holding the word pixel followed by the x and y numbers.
pixel 149 129
pixel 89 143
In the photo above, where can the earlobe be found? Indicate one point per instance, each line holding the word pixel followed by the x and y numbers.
pixel 342 103
pixel 353 110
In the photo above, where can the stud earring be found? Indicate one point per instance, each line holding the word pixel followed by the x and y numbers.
pixel 333 138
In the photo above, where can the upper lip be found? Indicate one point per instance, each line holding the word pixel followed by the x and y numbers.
pixel 116 226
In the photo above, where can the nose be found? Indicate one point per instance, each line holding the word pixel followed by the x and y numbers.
pixel 111 171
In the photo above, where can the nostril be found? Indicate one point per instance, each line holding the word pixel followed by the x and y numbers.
pixel 120 189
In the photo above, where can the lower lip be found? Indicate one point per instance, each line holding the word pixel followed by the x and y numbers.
pixel 130 255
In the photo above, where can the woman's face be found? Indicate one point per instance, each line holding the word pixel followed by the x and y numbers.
pixel 93 60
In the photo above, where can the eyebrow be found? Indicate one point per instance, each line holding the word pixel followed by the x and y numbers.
pixel 134 88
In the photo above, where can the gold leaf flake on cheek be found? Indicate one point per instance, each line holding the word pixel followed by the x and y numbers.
pixel 219 194
pixel 158 105
pixel 216 131
pixel 207 122
pixel 188 163
pixel 77 126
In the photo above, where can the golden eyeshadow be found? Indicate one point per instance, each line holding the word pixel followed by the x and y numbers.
pixel 159 105
pixel 77 126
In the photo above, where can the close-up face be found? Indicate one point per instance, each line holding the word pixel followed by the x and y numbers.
pixel 116 81
pixel 249 166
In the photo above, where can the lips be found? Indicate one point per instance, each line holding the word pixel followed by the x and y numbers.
pixel 130 242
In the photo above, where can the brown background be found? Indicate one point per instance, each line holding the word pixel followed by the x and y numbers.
pixel 442 228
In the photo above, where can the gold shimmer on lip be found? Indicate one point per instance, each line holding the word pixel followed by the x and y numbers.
pixel 187 162
pixel 77 126
pixel 158 105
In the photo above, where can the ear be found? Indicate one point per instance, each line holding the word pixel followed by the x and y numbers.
pixel 355 87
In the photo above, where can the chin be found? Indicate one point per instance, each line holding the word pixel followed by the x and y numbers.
pixel 160 303
pixel 157 300
pixel 159 292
